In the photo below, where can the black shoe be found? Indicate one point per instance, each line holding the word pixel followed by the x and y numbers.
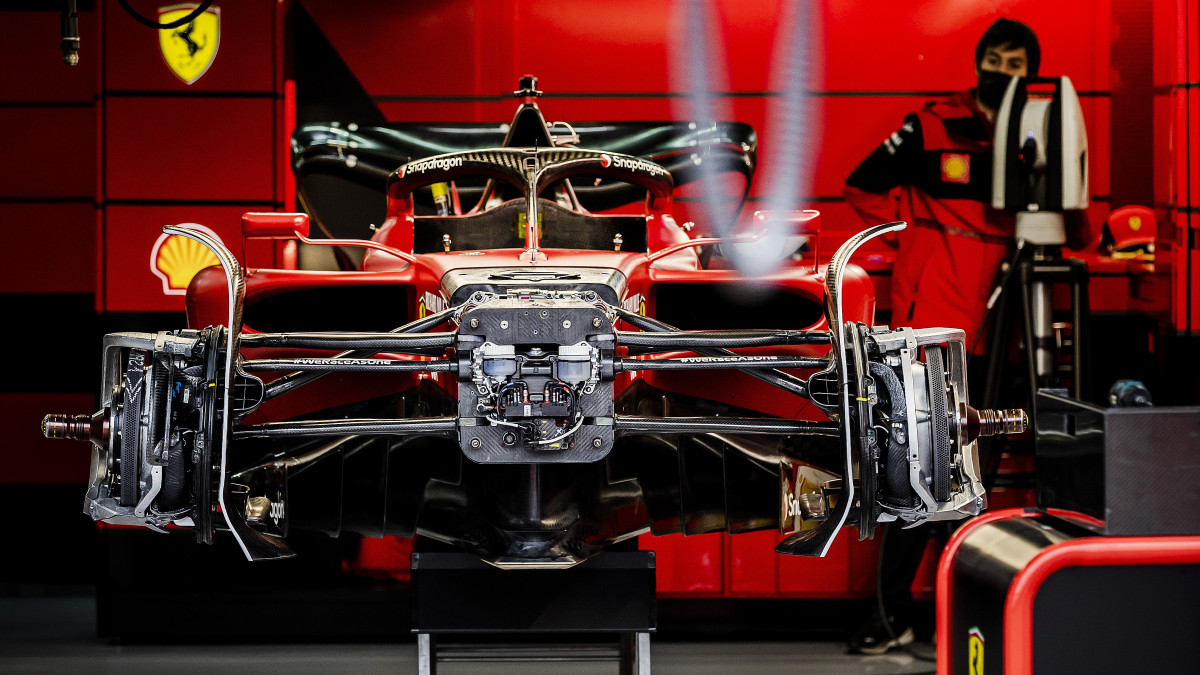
pixel 873 638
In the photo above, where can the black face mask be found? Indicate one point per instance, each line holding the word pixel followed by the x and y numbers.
pixel 992 85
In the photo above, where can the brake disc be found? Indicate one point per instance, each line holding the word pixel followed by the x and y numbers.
pixel 939 418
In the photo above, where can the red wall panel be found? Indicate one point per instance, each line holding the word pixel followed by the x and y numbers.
pixel 428 49
pixel 752 563
pixel 49 151
pixel 626 47
pixel 244 60
pixel 55 245
pixel 687 565
pixel 33 69
pixel 883 46
pixel 190 148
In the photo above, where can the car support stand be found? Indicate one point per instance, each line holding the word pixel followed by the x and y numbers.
pixel 456 593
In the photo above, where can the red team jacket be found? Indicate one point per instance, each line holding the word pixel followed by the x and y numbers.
pixel 935 172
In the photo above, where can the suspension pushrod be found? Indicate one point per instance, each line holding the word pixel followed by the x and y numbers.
pixel 349 427
pixel 350 365
pixel 380 342
pixel 736 362
pixel 772 426
pixel 727 339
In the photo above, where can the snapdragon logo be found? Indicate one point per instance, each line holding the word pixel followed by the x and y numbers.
pixel 632 164
pixel 426 165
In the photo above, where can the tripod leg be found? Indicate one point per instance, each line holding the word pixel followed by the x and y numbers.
pixel 1030 344
pixel 1000 340
pixel 1080 313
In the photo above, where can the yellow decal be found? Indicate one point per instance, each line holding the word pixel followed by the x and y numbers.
pixel 635 303
pixel 975 651
pixel 521 218
pixel 430 304
pixel 189 49
pixel 1135 223
pixel 176 259
pixel 956 168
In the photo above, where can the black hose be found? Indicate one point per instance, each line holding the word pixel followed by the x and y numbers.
pixel 349 427
pixel 149 23
pixel 898 488
pixel 171 496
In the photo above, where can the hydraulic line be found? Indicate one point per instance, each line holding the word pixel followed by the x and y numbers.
pixel 773 426
pixel 349 427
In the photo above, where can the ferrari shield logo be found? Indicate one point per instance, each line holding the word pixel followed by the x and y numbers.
pixel 189 49
pixel 975 651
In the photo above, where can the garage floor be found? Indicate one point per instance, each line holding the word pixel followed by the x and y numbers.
pixel 55 634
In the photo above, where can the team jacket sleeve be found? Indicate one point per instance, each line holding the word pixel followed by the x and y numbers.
pixel 871 187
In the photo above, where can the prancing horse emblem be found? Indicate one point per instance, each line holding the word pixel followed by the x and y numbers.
pixel 189 50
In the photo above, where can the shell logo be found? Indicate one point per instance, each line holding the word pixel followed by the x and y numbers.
pixel 956 168
pixel 176 259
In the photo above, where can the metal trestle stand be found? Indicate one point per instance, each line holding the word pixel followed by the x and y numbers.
pixel 458 594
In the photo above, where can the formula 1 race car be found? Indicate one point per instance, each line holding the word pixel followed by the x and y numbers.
pixel 532 362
